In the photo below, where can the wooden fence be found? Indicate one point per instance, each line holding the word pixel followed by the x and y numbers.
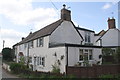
pixel 93 71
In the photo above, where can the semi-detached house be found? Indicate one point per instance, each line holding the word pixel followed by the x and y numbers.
pixel 59 44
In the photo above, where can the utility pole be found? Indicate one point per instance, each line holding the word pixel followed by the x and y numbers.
pixel 3 43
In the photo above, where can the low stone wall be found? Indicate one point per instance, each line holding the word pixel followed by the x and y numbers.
pixel 6 66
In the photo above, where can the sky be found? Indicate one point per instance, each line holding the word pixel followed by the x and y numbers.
pixel 19 17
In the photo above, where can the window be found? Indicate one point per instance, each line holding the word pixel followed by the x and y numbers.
pixel 90 55
pixel 41 61
pixel 30 59
pixel 81 55
pixel 85 54
pixel 87 37
pixel 40 42
pixel 31 44
pixel 25 45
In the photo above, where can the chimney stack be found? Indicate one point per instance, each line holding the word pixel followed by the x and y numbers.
pixel 111 23
pixel 65 14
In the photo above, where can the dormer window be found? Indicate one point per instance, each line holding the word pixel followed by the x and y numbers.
pixel 40 42
pixel 87 37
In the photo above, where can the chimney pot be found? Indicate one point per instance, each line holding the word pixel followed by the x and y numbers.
pixel 23 38
pixel 64 6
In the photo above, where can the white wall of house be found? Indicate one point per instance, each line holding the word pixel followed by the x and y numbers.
pixel 21 48
pixel 97 43
pixel 48 53
pixel 110 38
pixel 119 38
pixel 73 55
pixel 82 32
pixel 65 33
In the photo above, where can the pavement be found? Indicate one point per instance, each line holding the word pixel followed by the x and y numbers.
pixel 6 74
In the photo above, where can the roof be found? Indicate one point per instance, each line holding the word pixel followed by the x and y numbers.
pixel 100 33
pixel 42 32
pixel 106 32
pixel 84 29
pixel 45 32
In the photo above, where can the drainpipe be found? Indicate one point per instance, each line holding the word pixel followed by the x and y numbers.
pixel 66 58
pixel 28 55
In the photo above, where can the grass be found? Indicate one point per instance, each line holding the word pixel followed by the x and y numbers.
pixel 110 76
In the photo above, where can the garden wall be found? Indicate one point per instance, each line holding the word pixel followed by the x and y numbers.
pixel 93 71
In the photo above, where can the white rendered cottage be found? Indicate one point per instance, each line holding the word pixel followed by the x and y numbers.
pixel 60 44
pixel 111 37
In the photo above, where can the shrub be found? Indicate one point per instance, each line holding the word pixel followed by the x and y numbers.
pixel 55 69
pixel 17 67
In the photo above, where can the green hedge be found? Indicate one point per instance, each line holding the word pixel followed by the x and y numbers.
pixel 17 67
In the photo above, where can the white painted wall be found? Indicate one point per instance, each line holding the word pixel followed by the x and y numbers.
pixel 82 32
pixel 98 42
pixel 119 38
pixel 48 53
pixel 73 55
pixel 110 38
pixel 20 48
pixel 65 33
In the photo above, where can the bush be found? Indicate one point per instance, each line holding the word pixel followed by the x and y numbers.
pixel 17 67
pixel 55 69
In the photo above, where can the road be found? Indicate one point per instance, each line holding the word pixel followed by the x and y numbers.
pixel 6 74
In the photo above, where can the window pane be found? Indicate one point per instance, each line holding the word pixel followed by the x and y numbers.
pixel 81 55
pixel 85 37
pixel 86 50
pixel 43 61
pixel 90 55
pixel 85 56
pixel 30 59
pixel 40 60
pixel 37 60
pixel 89 38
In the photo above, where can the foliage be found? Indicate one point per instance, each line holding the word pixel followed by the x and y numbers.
pixel 106 76
pixel 86 62
pixel 17 67
pixel 8 54
pixel 110 52
pixel 117 55
pixel 55 69
pixel 22 60
pixel 107 51
pixel 117 76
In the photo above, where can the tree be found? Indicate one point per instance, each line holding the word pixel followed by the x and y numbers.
pixel 107 52
pixel 7 54
pixel 117 55
pixel 108 56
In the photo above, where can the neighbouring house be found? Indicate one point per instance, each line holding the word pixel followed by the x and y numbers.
pixel 111 37
pixel 59 44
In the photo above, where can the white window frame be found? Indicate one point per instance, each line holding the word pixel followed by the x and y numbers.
pixel 30 59
pixel 87 37
pixel 41 61
pixel 31 44
pixel 86 51
pixel 40 42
